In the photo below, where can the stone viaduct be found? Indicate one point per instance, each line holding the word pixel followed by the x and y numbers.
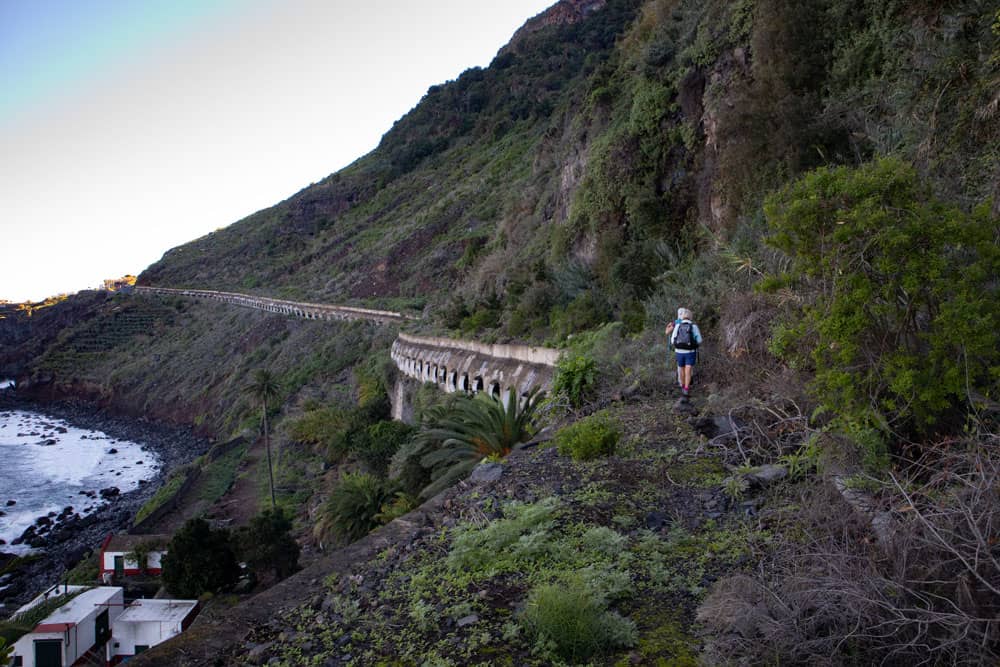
pixel 459 365
pixel 310 311
pixel 453 365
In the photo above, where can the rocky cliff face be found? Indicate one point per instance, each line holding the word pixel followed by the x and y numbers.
pixel 564 12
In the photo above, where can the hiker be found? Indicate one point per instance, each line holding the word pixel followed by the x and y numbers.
pixel 668 331
pixel 685 337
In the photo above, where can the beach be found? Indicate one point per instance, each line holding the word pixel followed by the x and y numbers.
pixel 125 458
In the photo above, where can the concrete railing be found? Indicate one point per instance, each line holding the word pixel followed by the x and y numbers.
pixel 546 356
pixel 309 311
pixel 456 365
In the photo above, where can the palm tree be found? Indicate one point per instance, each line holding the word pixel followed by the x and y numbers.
pixel 265 387
pixel 472 429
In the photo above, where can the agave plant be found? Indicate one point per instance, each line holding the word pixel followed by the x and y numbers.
pixel 472 429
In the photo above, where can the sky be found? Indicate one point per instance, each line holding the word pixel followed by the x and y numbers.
pixel 128 127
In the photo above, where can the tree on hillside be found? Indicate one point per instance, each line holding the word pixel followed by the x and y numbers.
pixel 267 546
pixel 199 560
pixel 265 388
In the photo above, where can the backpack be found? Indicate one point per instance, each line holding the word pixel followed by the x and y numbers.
pixel 685 337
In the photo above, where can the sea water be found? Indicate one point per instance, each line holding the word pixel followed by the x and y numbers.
pixel 46 465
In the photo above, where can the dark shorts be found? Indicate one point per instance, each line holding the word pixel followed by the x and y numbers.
pixel 686 358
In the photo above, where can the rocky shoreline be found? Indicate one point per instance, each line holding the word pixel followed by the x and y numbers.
pixel 73 539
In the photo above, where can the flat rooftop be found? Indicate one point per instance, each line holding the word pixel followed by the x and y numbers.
pixel 164 611
pixel 49 593
pixel 83 604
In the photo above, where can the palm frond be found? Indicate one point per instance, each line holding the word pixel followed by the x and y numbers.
pixel 473 428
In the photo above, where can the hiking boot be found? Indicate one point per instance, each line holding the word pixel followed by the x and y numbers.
pixel 685 392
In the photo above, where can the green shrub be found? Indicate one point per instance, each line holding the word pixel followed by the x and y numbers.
pixel 899 335
pixel 576 375
pixel 589 438
pixel 338 432
pixel 603 540
pixel 372 377
pixel 405 468
pixel 574 622
pixel 267 545
pixel 530 309
pixel 683 268
pixel 402 503
pixel 375 446
pixel 199 560
pixel 352 509
pixel 484 318
pixel 478 547
pixel 634 316
pixel 586 311
pixel 319 426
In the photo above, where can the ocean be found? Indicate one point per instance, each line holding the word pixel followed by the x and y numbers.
pixel 46 466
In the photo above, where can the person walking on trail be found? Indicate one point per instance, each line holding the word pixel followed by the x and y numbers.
pixel 685 338
pixel 669 331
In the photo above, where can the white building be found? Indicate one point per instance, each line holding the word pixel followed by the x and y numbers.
pixel 98 627
pixel 116 549
pixel 81 626
pixel 146 623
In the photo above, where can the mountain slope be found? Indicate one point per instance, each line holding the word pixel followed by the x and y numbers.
pixel 603 132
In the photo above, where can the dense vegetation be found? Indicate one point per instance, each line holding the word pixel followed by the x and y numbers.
pixel 817 181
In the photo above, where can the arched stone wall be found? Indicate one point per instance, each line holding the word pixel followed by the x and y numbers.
pixel 465 366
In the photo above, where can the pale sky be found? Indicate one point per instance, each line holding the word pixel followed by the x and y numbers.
pixel 128 127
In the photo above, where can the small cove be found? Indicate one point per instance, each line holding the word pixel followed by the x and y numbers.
pixel 50 465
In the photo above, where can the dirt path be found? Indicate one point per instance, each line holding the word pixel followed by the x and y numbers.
pixel 240 503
